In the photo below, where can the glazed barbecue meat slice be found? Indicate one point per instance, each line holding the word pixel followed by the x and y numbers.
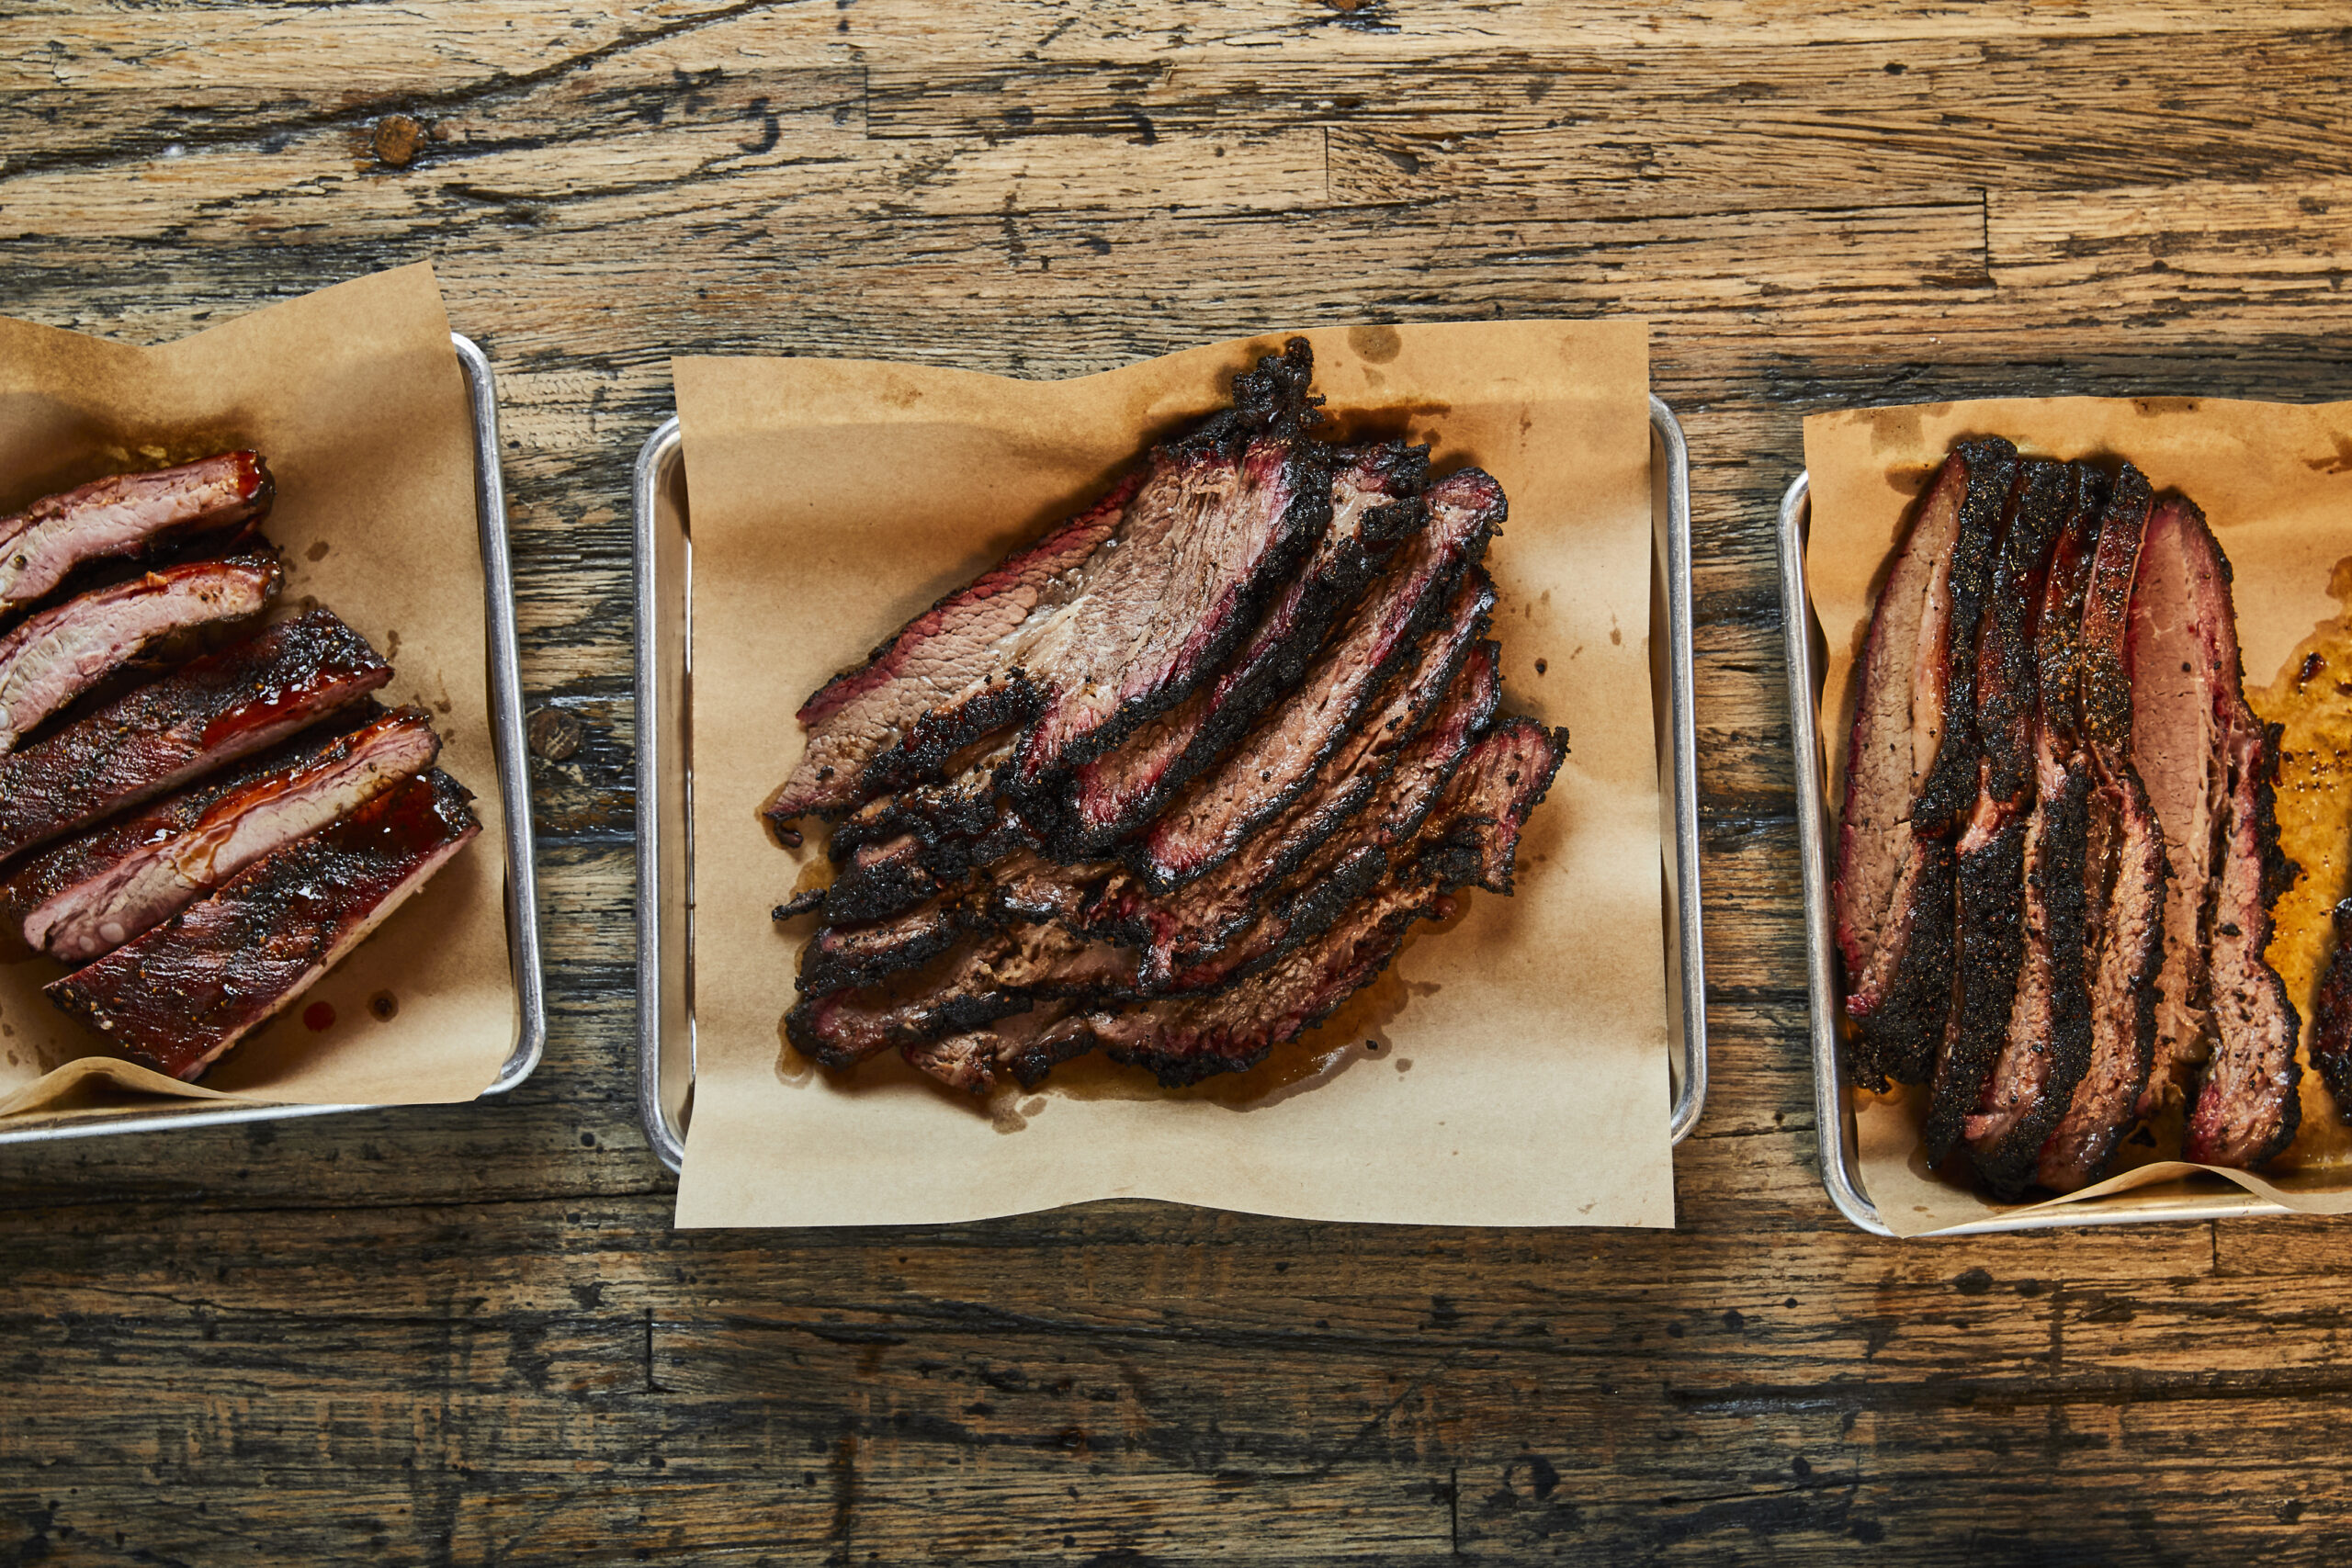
pixel 1988 946
pixel 186 991
pixel 1472 836
pixel 1911 769
pixel 127 514
pixel 2046 1048
pixel 94 893
pixel 61 653
pixel 202 716
pixel 1376 504
pixel 1113 617
pixel 2331 1050
pixel 1210 817
pixel 2208 762
pixel 2123 863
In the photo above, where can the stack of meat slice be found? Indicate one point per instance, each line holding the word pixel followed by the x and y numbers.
pixel 1175 781
pixel 201 811
pixel 2057 858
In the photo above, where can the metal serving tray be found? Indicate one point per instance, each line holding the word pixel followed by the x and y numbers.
pixel 665 851
pixel 1834 1108
pixel 513 791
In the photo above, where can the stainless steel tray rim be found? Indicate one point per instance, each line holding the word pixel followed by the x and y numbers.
pixel 508 743
pixel 1833 1111
pixel 665 1134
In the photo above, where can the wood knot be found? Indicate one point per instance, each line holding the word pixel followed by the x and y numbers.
pixel 399 140
pixel 553 734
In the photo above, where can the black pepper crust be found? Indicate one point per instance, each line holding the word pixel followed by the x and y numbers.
pixel 1950 789
pixel 1990 943
pixel 1899 1038
pixel 2056 878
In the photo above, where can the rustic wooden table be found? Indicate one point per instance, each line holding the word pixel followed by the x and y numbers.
pixel 470 1336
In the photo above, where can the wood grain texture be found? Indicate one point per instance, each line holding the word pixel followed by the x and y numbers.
pixel 467 1335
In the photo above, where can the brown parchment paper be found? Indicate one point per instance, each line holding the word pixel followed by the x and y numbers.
pixel 355 396
pixel 2274 480
pixel 1524 1083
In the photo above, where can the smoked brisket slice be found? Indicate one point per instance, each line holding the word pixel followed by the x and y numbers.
pixel 2208 764
pixel 2249 1101
pixel 94 892
pixel 1212 817
pixel 202 716
pixel 1113 617
pixel 184 993
pixel 2046 1048
pixel 2123 862
pixel 1375 503
pixel 61 653
pixel 127 514
pixel 1911 769
pixel 1989 937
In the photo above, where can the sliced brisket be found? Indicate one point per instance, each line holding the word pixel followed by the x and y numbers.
pixel 2047 1047
pixel 2208 764
pixel 1989 947
pixel 2249 1101
pixel 1277 761
pixel 212 711
pixel 127 514
pixel 61 653
pixel 186 991
pixel 2123 863
pixel 1113 617
pixel 1911 769
pixel 98 891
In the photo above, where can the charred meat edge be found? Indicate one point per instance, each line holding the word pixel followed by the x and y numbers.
pixel 62 653
pixel 1212 817
pixel 2047 1047
pixel 1079 638
pixel 202 716
pixel 1989 950
pixel 2124 868
pixel 126 514
pixel 186 991
pixel 1471 836
pixel 162 867
pixel 1376 504
pixel 1911 751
